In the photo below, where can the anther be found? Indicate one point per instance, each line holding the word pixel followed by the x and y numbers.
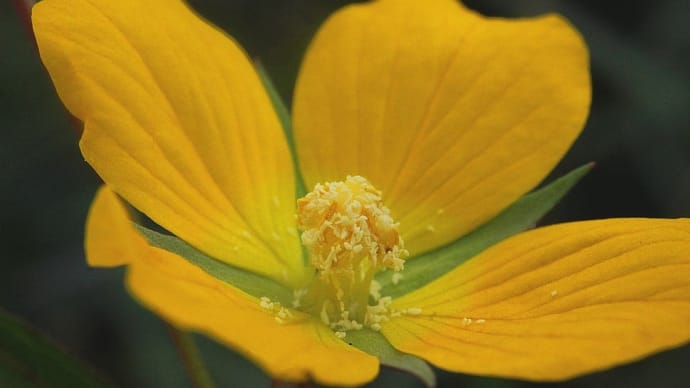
pixel 350 235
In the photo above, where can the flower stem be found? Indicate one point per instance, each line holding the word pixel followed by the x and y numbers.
pixel 23 8
pixel 190 357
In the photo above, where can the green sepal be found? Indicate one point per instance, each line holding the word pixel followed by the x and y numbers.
pixel 377 345
pixel 523 214
pixel 29 359
pixel 286 122
pixel 249 282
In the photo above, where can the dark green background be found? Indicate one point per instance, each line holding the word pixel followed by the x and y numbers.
pixel 637 132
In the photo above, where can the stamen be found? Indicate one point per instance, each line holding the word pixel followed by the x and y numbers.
pixel 375 290
pixel 297 296
pixel 343 222
pixel 282 314
pixel 350 235
pixel 396 278
pixel 266 303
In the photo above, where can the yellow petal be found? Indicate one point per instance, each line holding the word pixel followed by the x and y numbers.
pixel 556 302
pixel 109 238
pixel 183 294
pixel 177 122
pixel 451 114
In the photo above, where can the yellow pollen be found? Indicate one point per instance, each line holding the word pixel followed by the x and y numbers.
pixel 375 290
pixel 343 222
pixel 396 277
pixel 297 296
pixel 350 235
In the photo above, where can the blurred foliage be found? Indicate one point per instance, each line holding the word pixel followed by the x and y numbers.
pixel 28 359
pixel 637 133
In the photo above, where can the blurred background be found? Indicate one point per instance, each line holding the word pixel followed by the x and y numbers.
pixel 637 133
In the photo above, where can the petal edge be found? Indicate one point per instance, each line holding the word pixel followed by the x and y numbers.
pixel 556 302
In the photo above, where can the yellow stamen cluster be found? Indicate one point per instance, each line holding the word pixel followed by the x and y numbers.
pixel 350 235
pixel 343 222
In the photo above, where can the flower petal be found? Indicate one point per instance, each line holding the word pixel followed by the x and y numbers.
pixel 299 350
pixel 556 302
pixel 452 115
pixel 177 122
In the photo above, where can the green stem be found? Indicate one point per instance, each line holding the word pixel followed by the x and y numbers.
pixel 190 357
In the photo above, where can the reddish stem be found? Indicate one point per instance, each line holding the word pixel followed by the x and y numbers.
pixel 23 8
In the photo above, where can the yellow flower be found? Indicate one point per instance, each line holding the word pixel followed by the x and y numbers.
pixel 415 123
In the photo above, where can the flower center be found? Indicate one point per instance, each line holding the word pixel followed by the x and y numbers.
pixel 350 235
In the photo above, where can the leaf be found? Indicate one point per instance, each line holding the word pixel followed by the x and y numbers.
pixel 522 215
pixel 376 344
pixel 247 281
pixel 29 359
pixel 286 122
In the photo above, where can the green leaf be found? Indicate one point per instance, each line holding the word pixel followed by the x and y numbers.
pixel 29 359
pixel 376 344
pixel 286 122
pixel 249 282
pixel 523 214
